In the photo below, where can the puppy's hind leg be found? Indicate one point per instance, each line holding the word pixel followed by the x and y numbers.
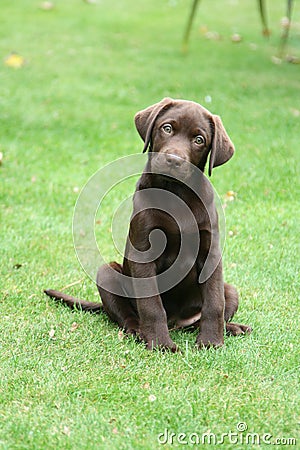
pixel 231 306
pixel 118 308
pixel 231 301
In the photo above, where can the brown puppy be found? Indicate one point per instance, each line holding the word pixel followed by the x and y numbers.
pixel 172 269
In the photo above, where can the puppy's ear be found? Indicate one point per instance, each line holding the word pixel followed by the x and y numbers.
pixel 222 148
pixel 145 119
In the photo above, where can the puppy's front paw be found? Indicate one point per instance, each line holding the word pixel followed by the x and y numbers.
pixel 162 345
pixel 158 338
pixel 204 341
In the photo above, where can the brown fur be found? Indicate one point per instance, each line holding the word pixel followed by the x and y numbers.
pixel 205 305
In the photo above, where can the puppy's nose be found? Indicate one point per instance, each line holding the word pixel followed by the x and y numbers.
pixel 174 161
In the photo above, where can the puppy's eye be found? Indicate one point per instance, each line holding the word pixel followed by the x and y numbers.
pixel 199 140
pixel 167 128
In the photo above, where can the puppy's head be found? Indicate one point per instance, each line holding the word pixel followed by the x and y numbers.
pixel 184 131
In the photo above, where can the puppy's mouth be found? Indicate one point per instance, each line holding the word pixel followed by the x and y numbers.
pixel 171 166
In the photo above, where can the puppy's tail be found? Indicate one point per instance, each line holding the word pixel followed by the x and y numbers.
pixel 74 303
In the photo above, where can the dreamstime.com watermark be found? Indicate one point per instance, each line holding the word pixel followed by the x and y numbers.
pixel 241 436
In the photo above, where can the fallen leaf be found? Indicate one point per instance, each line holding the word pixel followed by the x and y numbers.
pixel 212 36
pixel 146 386
pixel 66 430
pixel 14 60
pixel 292 59
pixel 295 112
pixel 203 29
pixel 230 196
pixel 276 60
pixel 74 326
pixel 51 333
pixel 47 6
pixel 115 431
pixel 236 38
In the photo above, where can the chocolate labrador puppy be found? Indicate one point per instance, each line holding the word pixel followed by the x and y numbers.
pixel 171 276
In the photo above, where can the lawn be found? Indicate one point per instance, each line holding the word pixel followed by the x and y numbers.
pixel 70 380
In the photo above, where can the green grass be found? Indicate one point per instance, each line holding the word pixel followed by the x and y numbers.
pixel 67 113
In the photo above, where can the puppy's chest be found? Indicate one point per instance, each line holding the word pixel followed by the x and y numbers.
pixel 177 221
pixel 182 242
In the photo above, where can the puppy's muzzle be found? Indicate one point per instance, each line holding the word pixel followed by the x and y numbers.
pixel 174 162
pixel 171 164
